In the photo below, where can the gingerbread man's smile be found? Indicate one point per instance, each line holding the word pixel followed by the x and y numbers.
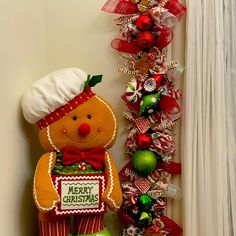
pixel 84 139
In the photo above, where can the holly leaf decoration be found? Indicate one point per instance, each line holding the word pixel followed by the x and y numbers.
pixel 91 82
pixel 95 80
pixel 86 84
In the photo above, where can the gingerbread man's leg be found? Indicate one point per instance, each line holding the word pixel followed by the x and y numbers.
pixel 91 225
pixel 53 226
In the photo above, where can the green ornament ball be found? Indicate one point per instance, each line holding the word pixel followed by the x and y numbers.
pixel 144 218
pixel 144 161
pixel 149 103
pixel 144 201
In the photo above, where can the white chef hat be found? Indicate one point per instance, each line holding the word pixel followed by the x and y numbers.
pixel 54 95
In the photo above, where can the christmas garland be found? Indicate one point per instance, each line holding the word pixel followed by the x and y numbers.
pixel 151 111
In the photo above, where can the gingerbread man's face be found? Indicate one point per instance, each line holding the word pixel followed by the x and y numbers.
pixel 90 125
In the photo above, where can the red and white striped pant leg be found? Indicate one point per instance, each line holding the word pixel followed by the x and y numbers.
pixel 54 228
pixel 89 224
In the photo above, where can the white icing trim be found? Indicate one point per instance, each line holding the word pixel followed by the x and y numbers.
pixel 34 188
pixel 114 118
pixel 112 182
pixel 80 210
pixel 50 140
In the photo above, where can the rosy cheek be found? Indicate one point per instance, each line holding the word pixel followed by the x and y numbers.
pixel 63 130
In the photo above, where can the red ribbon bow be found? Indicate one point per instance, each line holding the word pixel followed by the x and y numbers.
pixel 93 156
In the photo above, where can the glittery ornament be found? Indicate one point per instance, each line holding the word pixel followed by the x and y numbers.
pixel 144 161
pixel 149 85
pixel 144 218
pixel 144 201
pixel 144 22
pixel 146 40
pixel 149 103
pixel 143 141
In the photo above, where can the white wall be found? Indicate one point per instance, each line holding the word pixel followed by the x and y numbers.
pixel 22 59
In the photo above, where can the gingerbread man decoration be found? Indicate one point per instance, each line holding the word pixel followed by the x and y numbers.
pixel 76 177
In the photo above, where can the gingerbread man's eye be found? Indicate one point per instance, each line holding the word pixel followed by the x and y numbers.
pixel 89 116
pixel 74 118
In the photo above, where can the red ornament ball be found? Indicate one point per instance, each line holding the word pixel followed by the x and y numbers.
pixel 143 141
pixel 144 22
pixel 146 40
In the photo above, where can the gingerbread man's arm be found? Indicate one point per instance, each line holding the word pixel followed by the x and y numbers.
pixel 112 194
pixel 44 192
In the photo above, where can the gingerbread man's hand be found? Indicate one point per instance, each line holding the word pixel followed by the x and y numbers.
pixel 44 192
pixel 112 195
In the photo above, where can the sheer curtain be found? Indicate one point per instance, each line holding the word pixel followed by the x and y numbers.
pixel 230 74
pixel 208 133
